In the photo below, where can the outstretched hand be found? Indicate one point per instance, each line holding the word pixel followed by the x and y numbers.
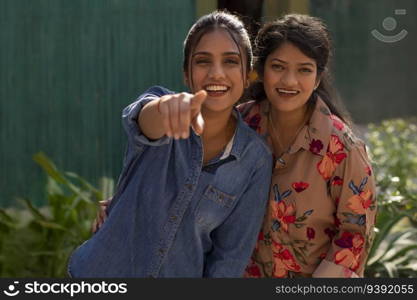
pixel 180 111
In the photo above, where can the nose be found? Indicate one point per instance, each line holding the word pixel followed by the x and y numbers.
pixel 289 79
pixel 216 71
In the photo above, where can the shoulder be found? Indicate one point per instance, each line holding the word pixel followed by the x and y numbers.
pixel 345 134
pixel 248 108
pixel 332 131
pixel 253 113
pixel 253 146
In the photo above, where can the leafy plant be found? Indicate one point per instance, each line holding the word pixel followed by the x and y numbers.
pixel 36 242
pixel 394 152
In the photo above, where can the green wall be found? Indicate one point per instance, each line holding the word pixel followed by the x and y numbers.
pixel 67 70
pixel 376 80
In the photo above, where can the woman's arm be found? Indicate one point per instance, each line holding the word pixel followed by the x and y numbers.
pixel 355 216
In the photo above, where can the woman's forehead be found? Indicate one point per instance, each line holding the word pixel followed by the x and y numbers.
pixel 217 41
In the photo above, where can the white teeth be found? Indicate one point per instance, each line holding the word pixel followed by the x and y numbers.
pixel 287 91
pixel 216 88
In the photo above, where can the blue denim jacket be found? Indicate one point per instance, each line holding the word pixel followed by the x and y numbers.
pixel 172 217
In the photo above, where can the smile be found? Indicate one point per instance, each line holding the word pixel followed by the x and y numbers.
pixel 216 90
pixel 287 93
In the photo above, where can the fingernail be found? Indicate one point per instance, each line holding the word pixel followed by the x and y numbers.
pixel 177 136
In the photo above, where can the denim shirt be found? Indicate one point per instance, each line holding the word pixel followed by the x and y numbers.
pixel 172 217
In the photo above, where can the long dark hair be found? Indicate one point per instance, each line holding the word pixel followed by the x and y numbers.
pixel 312 37
pixel 208 23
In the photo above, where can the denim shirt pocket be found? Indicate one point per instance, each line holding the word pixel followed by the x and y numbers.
pixel 213 206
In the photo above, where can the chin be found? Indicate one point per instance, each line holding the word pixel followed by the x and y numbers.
pixel 219 104
pixel 286 107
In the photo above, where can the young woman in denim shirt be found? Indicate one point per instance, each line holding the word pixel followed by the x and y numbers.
pixel 189 202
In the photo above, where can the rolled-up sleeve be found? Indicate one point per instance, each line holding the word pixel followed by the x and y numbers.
pixel 136 138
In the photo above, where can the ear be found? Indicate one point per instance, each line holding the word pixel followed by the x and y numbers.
pixel 247 81
pixel 318 80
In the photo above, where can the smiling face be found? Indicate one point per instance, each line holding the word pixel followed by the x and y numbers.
pixel 289 78
pixel 216 66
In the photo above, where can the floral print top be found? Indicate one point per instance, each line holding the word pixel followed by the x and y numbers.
pixel 322 207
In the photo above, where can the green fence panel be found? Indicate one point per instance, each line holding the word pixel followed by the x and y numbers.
pixel 67 69
pixel 376 79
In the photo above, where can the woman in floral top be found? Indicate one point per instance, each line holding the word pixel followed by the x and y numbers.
pixel 322 203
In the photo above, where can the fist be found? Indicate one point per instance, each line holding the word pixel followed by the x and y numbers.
pixel 180 111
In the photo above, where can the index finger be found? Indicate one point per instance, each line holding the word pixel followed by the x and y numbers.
pixel 198 99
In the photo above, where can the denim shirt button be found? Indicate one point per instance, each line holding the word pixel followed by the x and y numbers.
pixel 174 218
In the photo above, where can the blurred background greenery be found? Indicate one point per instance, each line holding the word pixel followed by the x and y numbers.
pixel 69 67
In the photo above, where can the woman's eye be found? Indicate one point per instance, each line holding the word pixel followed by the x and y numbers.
pixel 305 70
pixel 232 61
pixel 277 67
pixel 202 61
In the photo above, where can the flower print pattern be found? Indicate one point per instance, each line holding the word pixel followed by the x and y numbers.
pixel 337 123
pixel 316 146
pixel 368 170
pixel 337 181
pixel 333 157
pixel 252 270
pixel 284 261
pixel 284 214
pixel 254 121
pixel 336 221
pixel 352 245
pixel 330 233
pixel 300 186
pixel 309 220
pixel 361 200
pixel 311 233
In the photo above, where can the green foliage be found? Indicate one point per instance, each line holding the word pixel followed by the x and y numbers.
pixel 393 145
pixel 36 242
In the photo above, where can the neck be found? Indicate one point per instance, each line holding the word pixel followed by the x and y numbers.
pixel 216 124
pixel 285 128
pixel 288 123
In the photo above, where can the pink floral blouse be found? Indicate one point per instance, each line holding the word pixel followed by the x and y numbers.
pixel 321 212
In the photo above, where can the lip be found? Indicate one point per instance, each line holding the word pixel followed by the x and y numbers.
pixel 288 94
pixel 222 89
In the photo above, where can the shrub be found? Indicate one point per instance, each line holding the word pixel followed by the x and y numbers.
pixel 37 242
pixel 393 145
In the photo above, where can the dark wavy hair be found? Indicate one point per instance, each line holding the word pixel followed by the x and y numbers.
pixel 208 23
pixel 311 36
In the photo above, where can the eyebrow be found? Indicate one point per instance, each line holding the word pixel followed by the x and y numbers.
pixel 223 54
pixel 301 64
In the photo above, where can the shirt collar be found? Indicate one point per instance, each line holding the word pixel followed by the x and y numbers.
pixel 242 134
pixel 236 144
pixel 315 135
